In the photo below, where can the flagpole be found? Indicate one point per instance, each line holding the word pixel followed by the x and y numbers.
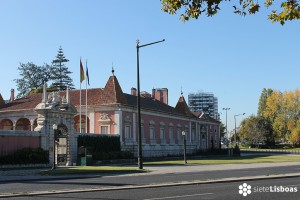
pixel 82 77
pixel 86 101
pixel 80 110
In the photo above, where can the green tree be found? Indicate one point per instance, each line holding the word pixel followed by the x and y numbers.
pixel 60 73
pixel 31 77
pixel 222 130
pixel 255 130
pixel 263 101
pixel 289 10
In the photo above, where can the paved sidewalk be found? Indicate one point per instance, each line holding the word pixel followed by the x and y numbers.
pixel 200 168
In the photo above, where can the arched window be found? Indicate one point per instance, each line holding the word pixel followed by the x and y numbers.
pixel 6 124
pixel 23 124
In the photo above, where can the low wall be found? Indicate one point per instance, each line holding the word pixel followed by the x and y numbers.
pixel 11 141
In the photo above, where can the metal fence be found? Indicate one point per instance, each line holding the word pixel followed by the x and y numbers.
pixel 275 151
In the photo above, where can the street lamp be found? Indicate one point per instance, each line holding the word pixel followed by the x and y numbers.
pixel 54 140
pixel 184 146
pixel 235 126
pixel 226 109
pixel 140 154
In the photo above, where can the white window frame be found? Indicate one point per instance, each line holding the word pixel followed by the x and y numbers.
pixel 107 128
pixel 128 134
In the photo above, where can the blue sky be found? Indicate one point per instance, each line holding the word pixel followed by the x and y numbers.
pixel 234 57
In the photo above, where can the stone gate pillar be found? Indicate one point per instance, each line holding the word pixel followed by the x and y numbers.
pixel 56 108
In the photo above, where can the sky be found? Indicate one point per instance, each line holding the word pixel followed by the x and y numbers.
pixel 231 56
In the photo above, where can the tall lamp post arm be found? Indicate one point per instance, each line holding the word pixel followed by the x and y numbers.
pixel 235 126
pixel 144 45
pixel 226 109
pixel 140 154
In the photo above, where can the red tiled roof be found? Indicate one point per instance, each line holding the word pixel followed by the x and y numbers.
pixel 26 103
pixel 2 102
pixel 31 101
pixel 204 117
pixel 182 107
pixel 151 104
pixel 94 96
pixel 111 94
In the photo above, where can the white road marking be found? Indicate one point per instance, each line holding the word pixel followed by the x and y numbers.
pixel 183 196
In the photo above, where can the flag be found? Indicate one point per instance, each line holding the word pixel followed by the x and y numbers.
pixel 82 76
pixel 87 74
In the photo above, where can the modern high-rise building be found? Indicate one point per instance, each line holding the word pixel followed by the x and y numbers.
pixel 204 102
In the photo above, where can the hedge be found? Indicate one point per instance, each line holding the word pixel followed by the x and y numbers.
pixel 26 156
pixel 99 143
pixel 102 147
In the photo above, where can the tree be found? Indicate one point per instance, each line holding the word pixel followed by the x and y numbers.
pixel 290 9
pixel 256 130
pixel 32 77
pixel 295 136
pixel 222 130
pixel 275 111
pixel 263 101
pixel 283 111
pixel 60 73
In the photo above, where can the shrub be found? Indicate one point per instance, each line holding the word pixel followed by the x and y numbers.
pixel 26 156
pixel 99 143
pixel 112 155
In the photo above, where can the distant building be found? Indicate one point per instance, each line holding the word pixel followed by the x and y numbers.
pixel 204 102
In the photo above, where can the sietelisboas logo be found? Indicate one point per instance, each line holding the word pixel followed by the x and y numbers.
pixel 245 189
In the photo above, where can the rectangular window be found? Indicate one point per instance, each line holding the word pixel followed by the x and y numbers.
pixel 104 129
pixel 152 136
pixel 171 133
pixel 127 132
pixel 162 133
pixel 143 132
pixel 179 135
pixel 193 135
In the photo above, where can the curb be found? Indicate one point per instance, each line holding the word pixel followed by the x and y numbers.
pixel 167 184
pixel 50 178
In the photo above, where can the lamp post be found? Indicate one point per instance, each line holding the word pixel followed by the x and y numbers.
pixel 184 146
pixel 226 109
pixel 235 126
pixel 54 140
pixel 140 153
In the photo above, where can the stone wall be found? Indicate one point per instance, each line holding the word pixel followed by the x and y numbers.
pixel 11 141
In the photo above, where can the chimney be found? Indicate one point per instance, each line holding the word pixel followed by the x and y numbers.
pixel 133 91
pixel 12 95
pixel 153 93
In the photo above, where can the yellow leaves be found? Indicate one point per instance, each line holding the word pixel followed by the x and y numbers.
pixel 295 135
pixel 283 109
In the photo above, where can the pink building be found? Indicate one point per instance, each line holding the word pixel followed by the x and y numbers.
pixel 111 111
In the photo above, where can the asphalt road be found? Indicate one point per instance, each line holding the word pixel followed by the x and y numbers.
pixel 191 192
pixel 136 180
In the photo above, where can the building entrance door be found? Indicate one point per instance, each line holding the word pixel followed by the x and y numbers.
pixel 62 144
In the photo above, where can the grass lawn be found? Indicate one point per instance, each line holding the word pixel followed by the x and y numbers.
pixel 231 160
pixel 82 170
